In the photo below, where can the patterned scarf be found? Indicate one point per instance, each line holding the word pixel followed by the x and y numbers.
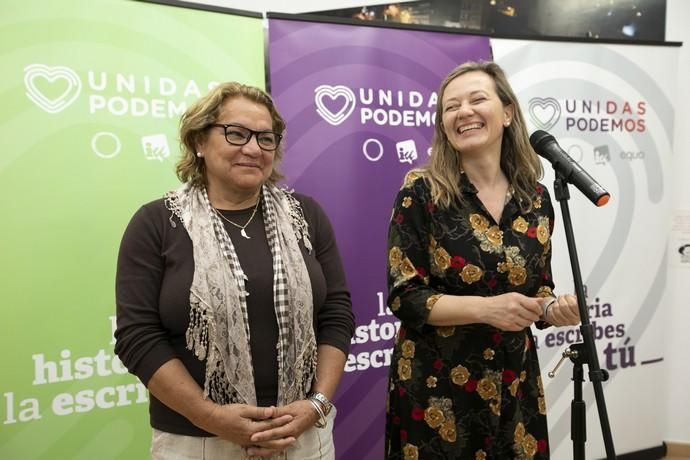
pixel 218 329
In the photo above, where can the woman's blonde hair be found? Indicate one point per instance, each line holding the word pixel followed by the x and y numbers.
pixel 195 122
pixel 519 161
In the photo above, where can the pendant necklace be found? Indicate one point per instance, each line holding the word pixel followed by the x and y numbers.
pixel 241 227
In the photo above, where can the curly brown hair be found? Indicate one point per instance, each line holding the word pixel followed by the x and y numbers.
pixel 519 161
pixel 195 122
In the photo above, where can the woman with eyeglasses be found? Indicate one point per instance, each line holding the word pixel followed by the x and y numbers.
pixel 232 306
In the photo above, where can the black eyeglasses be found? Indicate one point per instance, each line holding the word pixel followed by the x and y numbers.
pixel 239 135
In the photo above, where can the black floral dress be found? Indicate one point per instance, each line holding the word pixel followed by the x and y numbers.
pixel 472 391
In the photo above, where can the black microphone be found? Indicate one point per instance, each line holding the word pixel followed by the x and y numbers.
pixel 546 146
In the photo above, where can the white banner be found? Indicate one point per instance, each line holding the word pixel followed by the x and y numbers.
pixel 611 108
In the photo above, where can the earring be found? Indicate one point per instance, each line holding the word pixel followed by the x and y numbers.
pixel 199 154
pixel 507 123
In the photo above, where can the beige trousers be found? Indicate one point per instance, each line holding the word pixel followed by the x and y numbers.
pixel 314 444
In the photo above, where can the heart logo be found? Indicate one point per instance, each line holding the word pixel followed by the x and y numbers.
pixel 51 88
pixel 340 98
pixel 544 112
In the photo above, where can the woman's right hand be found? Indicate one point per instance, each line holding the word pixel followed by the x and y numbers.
pixel 511 311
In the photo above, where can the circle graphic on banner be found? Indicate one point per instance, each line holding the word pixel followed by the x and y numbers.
pixel 365 149
pixel 575 152
pixel 106 145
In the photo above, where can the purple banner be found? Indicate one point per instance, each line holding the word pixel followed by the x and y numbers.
pixel 359 103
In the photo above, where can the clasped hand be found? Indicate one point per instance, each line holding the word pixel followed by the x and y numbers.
pixel 262 431
pixel 514 312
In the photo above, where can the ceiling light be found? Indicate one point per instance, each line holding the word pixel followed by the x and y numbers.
pixel 629 30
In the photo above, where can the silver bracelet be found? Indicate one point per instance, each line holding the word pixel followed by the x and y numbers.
pixel 321 398
pixel 546 309
pixel 321 422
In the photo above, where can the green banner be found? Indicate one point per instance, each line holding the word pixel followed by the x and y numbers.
pixel 92 93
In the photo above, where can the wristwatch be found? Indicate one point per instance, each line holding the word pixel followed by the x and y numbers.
pixel 323 400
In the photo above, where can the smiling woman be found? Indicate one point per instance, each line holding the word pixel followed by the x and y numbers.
pixel 236 167
pixel 232 306
pixel 469 273
pixel 474 116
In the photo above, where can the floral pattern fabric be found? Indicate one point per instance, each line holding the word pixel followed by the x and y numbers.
pixel 471 391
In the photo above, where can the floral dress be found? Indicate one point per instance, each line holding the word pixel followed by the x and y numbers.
pixel 471 391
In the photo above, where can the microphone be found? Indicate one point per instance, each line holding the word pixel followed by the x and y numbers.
pixel 546 146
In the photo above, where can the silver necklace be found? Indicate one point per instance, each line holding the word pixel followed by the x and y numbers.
pixel 241 227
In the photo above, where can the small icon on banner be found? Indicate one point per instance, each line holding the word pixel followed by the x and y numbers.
pixel 544 112
pixel 602 155
pixel 407 151
pixel 155 147
pixel 340 100
pixel 51 88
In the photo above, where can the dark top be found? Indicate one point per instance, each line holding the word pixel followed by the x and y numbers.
pixel 469 391
pixel 154 273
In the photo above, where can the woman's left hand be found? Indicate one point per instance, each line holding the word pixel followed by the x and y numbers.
pixel 304 417
pixel 564 311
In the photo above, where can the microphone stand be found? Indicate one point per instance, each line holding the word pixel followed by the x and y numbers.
pixel 583 352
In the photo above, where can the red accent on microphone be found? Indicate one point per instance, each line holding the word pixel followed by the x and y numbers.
pixel 603 199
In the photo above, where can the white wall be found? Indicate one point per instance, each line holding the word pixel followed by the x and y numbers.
pixel 677 378
pixel 674 388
